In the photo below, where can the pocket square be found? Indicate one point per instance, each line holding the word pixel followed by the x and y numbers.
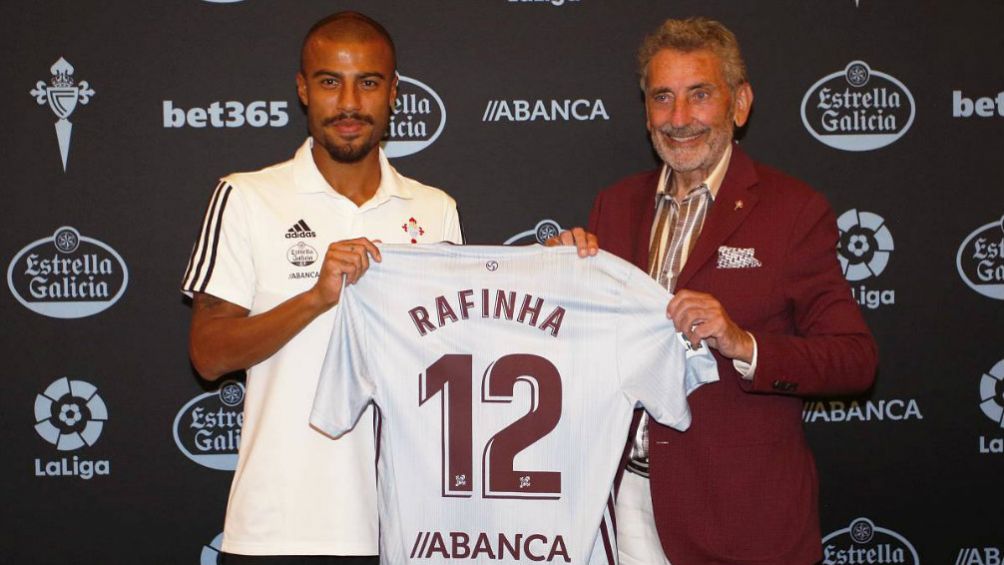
pixel 737 258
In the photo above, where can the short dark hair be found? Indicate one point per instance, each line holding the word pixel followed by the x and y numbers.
pixel 357 22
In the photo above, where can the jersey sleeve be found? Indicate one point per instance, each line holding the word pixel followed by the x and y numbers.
pixel 655 366
pixel 452 231
pixel 221 263
pixel 344 388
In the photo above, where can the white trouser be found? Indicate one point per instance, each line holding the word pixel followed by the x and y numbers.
pixel 637 541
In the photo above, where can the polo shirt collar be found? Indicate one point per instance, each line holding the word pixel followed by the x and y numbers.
pixel 308 179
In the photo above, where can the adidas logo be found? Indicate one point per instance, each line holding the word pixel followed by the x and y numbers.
pixel 300 229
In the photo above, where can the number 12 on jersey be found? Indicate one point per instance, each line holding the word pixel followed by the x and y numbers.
pixel 451 376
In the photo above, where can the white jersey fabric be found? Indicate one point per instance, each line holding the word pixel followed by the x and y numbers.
pixel 506 379
pixel 263 240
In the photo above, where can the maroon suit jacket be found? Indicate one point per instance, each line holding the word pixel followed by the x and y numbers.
pixel 740 487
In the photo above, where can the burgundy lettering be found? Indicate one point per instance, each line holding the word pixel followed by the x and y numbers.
pixel 444 311
pixel 465 303
pixel 553 321
pixel 534 311
pixel 420 317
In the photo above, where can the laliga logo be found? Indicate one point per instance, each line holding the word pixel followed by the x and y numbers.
pixel 543 231
pixel 858 109
pixel 208 428
pixel 992 394
pixel 981 260
pixel 992 405
pixel 211 553
pixel 419 117
pixel 62 97
pixel 863 251
pixel 67 275
pixel 70 414
pixel 864 246
pixel 863 542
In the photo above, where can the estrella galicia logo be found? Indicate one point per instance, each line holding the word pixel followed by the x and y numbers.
pixel 211 553
pixel 858 108
pixel 864 246
pixel 419 117
pixel 67 275
pixel 301 254
pixel 62 94
pixel 208 428
pixel 864 542
pixel 543 231
pixel 981 260
pixel 70 414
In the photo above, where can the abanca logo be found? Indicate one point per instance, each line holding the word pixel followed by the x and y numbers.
pixel 67 275
pixel 208 428
pixel 858 109
pixel 864 542
pixel 419 117
pixel 566 110
pixel 981 260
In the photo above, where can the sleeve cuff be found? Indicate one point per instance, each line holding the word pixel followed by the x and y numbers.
pixel 745 369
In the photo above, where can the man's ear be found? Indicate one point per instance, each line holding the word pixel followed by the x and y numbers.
pixel 742 104
pixel 393 91
pixel 301 88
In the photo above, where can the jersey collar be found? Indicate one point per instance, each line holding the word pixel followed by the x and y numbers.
pixel 309 180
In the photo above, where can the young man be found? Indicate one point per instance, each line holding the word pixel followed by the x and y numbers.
pixel 264 277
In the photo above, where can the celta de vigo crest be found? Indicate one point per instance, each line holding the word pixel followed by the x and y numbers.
pixel 62 95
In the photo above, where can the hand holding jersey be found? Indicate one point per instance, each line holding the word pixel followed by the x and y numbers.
pixel 344 262
pixel 702 317
pixel 586 243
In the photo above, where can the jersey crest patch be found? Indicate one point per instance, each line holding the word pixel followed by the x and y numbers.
pixel 412 228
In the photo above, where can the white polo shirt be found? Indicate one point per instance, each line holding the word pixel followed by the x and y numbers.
pixel 296 491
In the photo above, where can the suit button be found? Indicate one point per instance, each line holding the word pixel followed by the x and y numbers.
pixel 784 386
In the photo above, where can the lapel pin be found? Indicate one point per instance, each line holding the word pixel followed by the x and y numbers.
pixel 739 205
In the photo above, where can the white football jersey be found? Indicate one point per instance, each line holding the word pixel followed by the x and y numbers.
pixel 506 378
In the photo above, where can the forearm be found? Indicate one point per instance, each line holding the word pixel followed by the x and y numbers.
pixel 223 340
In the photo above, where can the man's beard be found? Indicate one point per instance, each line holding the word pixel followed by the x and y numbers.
pixel 686 161
pixel 346 153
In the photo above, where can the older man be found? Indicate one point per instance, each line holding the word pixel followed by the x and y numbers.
pixel 750 254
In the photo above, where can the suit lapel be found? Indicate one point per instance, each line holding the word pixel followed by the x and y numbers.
pixel 726 213
pixel 644 240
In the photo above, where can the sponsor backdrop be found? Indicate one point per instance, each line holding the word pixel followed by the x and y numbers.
pixel 120 118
